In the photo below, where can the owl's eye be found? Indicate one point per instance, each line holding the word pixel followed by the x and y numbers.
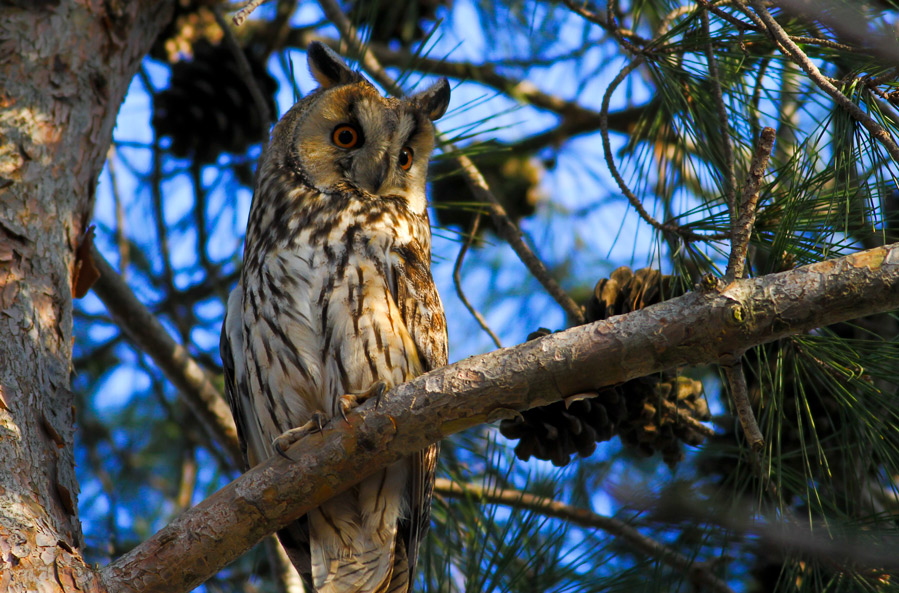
pixel 346 136
pixel 405 160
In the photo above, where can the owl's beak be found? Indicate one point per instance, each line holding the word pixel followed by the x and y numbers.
pixel 380 175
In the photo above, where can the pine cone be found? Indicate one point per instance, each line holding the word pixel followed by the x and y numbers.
pixel 643 412
pixel 192 21
pixel 208 109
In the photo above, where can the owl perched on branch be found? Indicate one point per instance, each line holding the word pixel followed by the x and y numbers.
pixel 336 304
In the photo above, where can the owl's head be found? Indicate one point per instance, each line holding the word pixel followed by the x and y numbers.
pixel 346 136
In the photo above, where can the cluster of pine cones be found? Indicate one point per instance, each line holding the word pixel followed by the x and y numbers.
pixel 644 413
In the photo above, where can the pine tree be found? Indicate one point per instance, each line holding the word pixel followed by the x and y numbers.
pixel 638 158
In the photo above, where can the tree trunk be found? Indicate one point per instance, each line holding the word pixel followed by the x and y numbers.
pixel 65 66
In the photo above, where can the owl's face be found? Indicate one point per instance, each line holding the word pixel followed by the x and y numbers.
pixel 345 135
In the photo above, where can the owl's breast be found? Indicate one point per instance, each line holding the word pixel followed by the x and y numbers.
pixel 329 324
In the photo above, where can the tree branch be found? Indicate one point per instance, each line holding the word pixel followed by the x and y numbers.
pixel 148 334
pixel 742 230
pixel 798 56
pixel 699 327
pixel 696 572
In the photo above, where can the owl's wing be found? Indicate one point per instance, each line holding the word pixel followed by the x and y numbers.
pixel 231 347
pixel 294 537
pixel 422 313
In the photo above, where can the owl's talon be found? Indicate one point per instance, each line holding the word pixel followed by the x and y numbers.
pixel 349 401
pixel 285 440
pixel 377 391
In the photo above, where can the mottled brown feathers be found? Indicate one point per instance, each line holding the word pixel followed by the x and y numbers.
pixel 336 295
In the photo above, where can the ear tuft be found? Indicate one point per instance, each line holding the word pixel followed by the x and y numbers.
pixel 433 100
pixel 328 68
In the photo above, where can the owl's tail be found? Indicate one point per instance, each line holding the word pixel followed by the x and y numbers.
pixel 353 536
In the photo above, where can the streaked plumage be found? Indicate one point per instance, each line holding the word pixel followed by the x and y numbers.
pixel 336 294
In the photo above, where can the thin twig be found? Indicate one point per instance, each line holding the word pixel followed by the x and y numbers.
pixel 507 229
pixel 581 10
pixel 156 196
pixel 792 50
pixel 243 66
pixel 742 230
pixel 736 379
pixel 510 232
pixel 730 176
pixel 457 280
pixel 757 97
pixel 685 234
pixel 713 8
pixel 242 15
pixel 120 239
pixel 696 572
pixel 350 35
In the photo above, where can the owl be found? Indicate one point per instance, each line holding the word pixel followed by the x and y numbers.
pixel 336 304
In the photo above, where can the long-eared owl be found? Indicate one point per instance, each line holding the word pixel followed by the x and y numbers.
pixel 336 303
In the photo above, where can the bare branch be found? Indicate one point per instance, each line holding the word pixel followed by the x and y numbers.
pixel 736 379
pixel 581 10
pixel 695 572
pixel 742 230
pixel 243 66
pixel 145 331
pixel 510 232
pixel 700 327
pixel 244 13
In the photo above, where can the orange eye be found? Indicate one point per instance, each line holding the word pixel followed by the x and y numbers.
pixel 405 160
pixel 345 136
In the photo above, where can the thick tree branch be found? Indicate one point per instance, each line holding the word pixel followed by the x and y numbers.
pixel 700 327
pixel 146 332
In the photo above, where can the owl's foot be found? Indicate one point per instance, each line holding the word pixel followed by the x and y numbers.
pixel 349 401
pixel 283 442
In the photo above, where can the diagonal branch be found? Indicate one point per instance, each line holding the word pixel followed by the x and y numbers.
pixel 700 327
pixel 552 508
pixel 146 332
pixel 802 60
pixel 727 147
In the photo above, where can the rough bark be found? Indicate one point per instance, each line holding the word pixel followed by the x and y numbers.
pixel 64 68
pixel 700 327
